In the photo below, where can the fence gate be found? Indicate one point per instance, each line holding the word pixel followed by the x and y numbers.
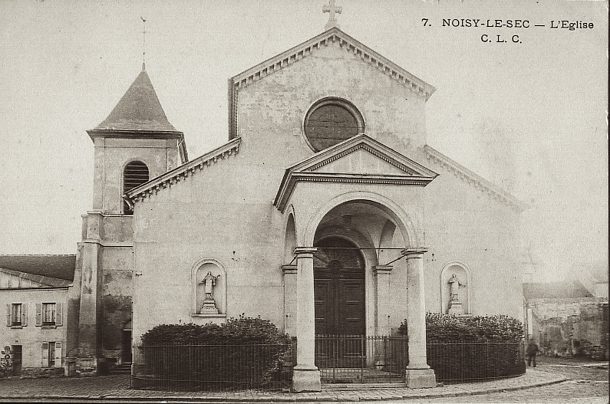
pixel 361 358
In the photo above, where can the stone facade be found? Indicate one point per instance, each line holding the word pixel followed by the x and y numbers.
pixel 380 190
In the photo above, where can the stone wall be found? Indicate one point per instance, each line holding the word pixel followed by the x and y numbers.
pixel 569 327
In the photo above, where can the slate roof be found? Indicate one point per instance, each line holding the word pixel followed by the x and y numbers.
pixel 139 110
pixel 55 266
pixel 564 289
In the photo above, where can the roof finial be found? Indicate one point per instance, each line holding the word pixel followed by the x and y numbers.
pixel 143 43
pixel 331 8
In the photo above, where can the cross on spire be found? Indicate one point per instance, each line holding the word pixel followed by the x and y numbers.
pixel 331 8
pixel 143 43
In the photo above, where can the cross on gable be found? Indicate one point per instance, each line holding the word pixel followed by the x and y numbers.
pixel 331 8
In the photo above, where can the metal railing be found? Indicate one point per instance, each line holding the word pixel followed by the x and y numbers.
pixel 340 358
pixel 455 362
pixel 361 358
pixel 213 367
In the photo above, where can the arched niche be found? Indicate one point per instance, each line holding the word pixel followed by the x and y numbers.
pixel 209 289
pixel 455 274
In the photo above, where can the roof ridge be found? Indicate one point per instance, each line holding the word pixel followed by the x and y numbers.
pixel 176 175
pixel 478 180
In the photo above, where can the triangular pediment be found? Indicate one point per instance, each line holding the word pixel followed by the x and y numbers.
pixel 359 159
pixel 331 37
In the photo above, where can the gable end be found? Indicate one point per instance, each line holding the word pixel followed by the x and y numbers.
pixel 303 50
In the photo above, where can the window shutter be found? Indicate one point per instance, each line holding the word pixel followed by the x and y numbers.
pixel 59 314
pixel 38 314
pixel 45 354
pixel 8 314
pixel 24 314
pixel 58 354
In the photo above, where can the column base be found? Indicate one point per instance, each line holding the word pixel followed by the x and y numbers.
pixel 306 379
pixel 420 378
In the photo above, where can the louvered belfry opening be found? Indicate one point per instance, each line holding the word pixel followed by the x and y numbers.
pixel 136 173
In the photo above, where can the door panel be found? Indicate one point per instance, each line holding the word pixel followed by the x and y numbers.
pixel 339 303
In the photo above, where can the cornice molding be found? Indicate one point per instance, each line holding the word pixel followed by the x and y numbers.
pixel 178 174
pixel 478 182
pixel 296 53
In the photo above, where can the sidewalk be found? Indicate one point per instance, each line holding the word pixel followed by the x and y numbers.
pixel 116 388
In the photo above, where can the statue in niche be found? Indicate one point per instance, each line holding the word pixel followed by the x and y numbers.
pixel 209 304
pixel 455 305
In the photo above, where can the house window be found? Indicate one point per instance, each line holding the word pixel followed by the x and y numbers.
pixel 51 354
pixel 16 312
pixel 135 174
pixel 331 121
pixel 48 313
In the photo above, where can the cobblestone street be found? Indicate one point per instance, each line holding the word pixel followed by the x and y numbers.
pixel 587 383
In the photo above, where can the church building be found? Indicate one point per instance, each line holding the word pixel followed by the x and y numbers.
pixel 325 211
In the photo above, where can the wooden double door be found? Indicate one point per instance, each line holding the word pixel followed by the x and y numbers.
pixel 339 301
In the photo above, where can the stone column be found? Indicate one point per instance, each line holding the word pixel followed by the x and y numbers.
pixel 418 374
pixel 306 376
pixel 290 298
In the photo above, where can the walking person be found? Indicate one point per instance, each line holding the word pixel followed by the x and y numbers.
pixel 531 351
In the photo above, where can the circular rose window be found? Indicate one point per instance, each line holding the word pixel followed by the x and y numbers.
pixel 330 122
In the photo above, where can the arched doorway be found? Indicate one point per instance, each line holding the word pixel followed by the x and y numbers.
pixel 339 290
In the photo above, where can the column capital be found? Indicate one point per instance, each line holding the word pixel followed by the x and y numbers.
pixel 289 269
pixel 304 251
pixel 414 252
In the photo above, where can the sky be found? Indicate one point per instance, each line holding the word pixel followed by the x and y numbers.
pixel 529 115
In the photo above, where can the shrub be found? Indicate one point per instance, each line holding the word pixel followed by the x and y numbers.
pixel 244 352
pixel 461 348
pixel 452 328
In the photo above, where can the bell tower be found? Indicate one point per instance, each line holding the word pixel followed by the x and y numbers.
pixel 133 145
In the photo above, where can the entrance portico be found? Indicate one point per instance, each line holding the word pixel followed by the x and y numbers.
pixel 355 214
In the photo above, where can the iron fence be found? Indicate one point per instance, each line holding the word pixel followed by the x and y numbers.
pixel 340 358
pixel 213 367
pixel 455 362
pixel 361 358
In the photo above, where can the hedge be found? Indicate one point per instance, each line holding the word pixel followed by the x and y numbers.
pixel 467 348
pixel 244 352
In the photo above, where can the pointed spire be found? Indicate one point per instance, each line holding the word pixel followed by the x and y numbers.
pixel 138 110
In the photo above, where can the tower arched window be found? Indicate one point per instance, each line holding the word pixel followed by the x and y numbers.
pixel 134 174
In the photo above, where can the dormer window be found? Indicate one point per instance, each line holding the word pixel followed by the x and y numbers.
pixel 331 121
pixel 135 174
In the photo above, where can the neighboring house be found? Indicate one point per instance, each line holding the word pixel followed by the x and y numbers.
pixel 35 328
pixel 566 319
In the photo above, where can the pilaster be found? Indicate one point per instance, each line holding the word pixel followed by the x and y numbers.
pixel 90 296
pixel 289 272
pixel 382 275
